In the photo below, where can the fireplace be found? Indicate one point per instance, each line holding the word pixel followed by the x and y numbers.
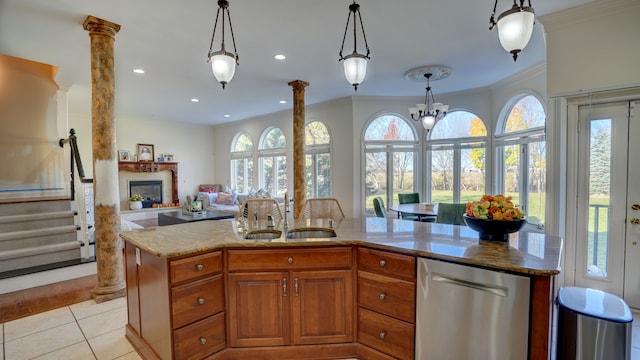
pixel 165 173
pixel 151 191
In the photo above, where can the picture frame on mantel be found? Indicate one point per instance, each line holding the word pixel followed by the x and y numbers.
pixel 145 152
pixel 124 155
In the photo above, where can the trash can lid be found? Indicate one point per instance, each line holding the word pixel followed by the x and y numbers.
pixel 595 303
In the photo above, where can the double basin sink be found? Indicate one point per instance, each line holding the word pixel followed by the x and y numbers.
pixel 299 233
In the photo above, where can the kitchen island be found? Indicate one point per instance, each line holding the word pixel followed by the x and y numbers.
pixel 202 290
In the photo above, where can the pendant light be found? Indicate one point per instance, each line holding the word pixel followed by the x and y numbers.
pixel 355 64
pixel 223 63
pixel 515 27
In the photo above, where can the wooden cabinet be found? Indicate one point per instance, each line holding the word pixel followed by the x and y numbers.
pixel 386 304
pixel 300 297
pixel 176 307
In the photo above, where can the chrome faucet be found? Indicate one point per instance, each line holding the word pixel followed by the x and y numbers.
pixel 287 210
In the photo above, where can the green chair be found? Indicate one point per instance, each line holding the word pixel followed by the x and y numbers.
pixel 378 206
pixel 411 198
pixel 451 213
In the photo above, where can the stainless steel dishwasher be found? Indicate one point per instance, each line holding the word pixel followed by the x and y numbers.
pixel 464 312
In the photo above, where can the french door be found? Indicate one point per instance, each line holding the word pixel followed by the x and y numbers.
pixel 608 200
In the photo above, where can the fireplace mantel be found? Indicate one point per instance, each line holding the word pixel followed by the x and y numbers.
pixel 152 166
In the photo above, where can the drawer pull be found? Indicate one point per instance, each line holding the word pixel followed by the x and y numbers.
pixel 383 334
pixel 383 296
pixel 200 267
pixel 290 260
pixel 201 301
pixel 203 341
pixel 382 263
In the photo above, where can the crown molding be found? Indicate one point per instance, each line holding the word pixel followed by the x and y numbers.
pixel 585 13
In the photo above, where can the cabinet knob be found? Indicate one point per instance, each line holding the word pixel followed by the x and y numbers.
pixel 203 341
pixel 290 260
pixel 383 334
pixel 383 263
pixel 200 267
pixel 383 296
pixel 635 206
pixel 201 301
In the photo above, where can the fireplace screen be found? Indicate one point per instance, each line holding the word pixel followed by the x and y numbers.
pixel 151 191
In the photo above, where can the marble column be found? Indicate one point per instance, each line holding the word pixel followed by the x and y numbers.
pixel 108 244
pixel 299 192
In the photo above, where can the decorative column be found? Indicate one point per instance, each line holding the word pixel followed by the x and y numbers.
pixel 299 193
pixel 109 257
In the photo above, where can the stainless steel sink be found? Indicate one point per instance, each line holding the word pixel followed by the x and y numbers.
pixel 263 234
pixel 303 233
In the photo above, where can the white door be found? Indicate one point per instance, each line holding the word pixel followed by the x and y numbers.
pixel 609 167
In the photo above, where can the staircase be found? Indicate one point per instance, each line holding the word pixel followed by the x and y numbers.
pixel 36 236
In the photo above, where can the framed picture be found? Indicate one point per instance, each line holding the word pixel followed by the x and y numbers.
pixel 145 152
pixel 167 157
pixel 123 155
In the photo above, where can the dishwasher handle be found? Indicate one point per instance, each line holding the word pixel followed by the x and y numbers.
pixel 496 290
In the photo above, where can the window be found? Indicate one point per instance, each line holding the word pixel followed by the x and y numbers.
pixel 520 144
pixel 391 148
pixel 242 163
pixel 317 160
pixel 273 162
pixel 456 158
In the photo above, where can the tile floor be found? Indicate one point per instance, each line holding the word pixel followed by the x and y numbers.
pixel 96 331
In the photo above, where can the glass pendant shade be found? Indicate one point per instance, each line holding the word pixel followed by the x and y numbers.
pixel 223 65
pixel 515 27
pixel 355 69
pixel 428 121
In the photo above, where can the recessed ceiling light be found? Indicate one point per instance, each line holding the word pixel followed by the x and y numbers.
pixel 227 115
pixel 138 71
pixel 279 57
pixel 194 100
pixel 283 101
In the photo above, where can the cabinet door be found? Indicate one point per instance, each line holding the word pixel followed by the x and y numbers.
pixel 259 309
pixel 323 306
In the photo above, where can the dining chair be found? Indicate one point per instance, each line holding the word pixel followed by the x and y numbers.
pixel 261 208
pixel 322 208
pixel 378 206
pixel 410 198
pixel 451 213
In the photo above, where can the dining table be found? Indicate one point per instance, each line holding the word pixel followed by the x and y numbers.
pixel 419 209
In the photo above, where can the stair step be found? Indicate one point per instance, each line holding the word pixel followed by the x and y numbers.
pixel 32 257
pixel 54 230
pixel 11 223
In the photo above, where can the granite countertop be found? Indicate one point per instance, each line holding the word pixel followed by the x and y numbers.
pixel 526 252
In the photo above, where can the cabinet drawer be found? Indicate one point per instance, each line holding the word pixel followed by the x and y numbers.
pixel 200 339
pixel 393 297
pixel 387 263
pixel 195 267
pixel 196 300
pixel 289 259
pixel 385 334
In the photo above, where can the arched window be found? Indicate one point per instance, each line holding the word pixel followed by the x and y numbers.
pixel 521 154
pixel 391 147
pixel 242 163
pixel 273 162
pixel 317 143
pixel 456 158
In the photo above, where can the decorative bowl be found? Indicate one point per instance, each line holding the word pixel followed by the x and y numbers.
pixel 494 230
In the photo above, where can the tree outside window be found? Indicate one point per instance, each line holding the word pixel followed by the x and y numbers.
pixel 456 158
pixel 521 146
pixel 317 160
pixel 391 147
pixel 242 163
pixel 273 162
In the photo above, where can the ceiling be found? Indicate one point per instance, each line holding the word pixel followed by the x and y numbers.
pixel 170 40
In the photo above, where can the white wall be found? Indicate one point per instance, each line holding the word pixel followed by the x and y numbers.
pixel 594 46
pixel 192 146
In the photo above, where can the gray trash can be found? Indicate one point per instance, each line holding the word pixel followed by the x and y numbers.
pixel 592 324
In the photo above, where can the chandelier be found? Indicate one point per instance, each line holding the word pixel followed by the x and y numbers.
pixel 515 27
pixel 431 111
pixel 355 64
pixel 223 63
